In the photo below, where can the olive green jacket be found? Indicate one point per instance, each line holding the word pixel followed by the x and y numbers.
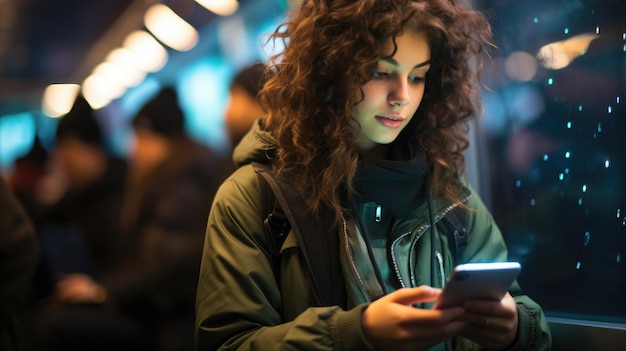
pixel 241 306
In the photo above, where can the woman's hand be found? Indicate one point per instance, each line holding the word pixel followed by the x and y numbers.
pixel 392 323
pixel 491 324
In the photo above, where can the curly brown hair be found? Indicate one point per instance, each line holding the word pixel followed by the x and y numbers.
pixel 331 49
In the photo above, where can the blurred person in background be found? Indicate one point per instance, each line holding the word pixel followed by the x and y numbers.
pixel 243 107
pixel 85 185
pixel 174 182
pixel 19 256
pixel 79 229
pixel 170 189
pixel 26 175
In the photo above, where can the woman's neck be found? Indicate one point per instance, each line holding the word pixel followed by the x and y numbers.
pixel 377 152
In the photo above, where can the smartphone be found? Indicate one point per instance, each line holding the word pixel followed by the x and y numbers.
pixel 478 281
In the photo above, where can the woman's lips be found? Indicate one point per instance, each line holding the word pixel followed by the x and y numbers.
pixel 390 121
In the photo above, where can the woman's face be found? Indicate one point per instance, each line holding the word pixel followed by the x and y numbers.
pixel 394 92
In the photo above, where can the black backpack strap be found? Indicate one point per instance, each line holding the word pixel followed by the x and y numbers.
pixel 318 240
pixel 275 222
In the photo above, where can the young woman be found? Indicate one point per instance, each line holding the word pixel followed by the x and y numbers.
pixel 366 112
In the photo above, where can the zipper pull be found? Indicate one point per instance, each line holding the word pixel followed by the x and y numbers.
pixel 442 275
pixel 379 213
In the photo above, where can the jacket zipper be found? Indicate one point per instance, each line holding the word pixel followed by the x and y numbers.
pixel 349 254
pixel 439 257
pixel 420 231
pixel 379 214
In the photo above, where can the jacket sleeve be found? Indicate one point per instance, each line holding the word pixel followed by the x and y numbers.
pixel 486 244
pixel 238 303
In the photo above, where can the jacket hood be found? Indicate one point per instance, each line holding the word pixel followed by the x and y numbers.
pixel 256 146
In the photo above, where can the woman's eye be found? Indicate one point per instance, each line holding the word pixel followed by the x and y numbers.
pixel 416 79
pixel 379 74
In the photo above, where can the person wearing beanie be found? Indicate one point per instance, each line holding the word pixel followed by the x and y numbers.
pixel 243 107
pixel 79 146
pixel 162 115
pixel 82 192
pixel 173 183
pixel 80 123
pixel 158 126
pixel 170 188
pixel 89 181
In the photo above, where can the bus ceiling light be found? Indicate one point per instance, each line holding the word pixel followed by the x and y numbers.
pixel 128 64
pixel 112 76
pixel 98 91
pixel 151 56
pixel 58 99
pixel 220 7
pixel 169 28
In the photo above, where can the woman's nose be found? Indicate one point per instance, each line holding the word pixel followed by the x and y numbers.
pixel 399 93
